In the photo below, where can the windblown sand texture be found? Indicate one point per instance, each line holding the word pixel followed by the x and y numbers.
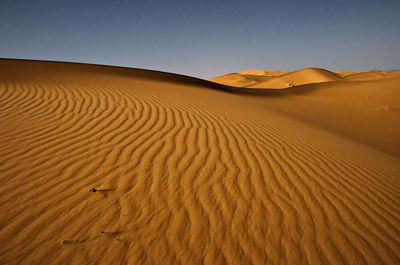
pixel 188 171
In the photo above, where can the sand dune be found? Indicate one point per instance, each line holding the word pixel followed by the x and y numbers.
pixel 278 79
pixel 366 76
pixel 281 79
pixel 187 171
pixel 301 77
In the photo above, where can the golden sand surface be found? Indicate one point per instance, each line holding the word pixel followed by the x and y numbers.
pixel 187 171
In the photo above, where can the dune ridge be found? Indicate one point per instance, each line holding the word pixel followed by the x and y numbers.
pixel 187 172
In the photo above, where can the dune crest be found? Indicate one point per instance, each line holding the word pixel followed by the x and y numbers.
pixel 263 72
pixel 109 165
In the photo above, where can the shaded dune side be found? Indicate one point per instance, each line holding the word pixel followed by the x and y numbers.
pixel 180 181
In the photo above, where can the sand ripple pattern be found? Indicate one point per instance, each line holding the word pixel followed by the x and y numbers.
pixel 178 182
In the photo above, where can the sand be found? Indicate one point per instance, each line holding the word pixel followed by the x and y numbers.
pixel 187 171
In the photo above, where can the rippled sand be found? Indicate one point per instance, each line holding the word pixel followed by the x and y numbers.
pixel 187 171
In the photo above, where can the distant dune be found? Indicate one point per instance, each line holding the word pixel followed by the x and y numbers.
pixel 301 77
pixel 281 79
pixel 111 165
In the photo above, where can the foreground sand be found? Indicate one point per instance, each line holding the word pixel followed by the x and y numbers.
pixel 191 172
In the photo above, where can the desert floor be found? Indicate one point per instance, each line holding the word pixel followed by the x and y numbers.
pixel 268 167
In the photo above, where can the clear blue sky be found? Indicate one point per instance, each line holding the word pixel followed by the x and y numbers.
pixel 205 38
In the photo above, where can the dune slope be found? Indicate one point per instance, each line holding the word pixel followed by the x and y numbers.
pixel 186 172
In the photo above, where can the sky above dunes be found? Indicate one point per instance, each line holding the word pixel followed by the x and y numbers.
pixel 205 38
